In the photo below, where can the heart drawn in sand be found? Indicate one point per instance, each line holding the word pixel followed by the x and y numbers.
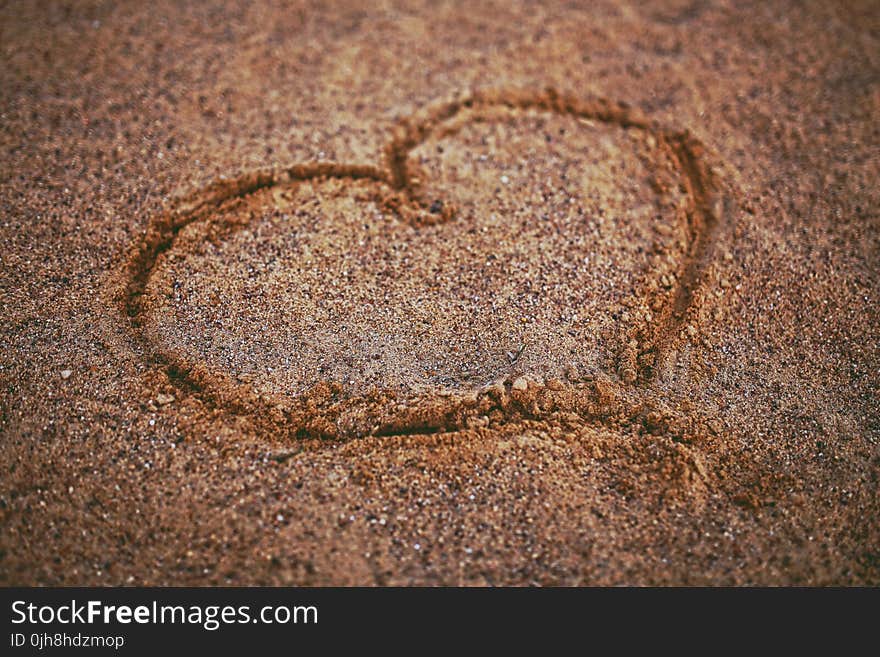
pixel 516 255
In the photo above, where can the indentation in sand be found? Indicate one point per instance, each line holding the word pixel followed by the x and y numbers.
pixel 516 255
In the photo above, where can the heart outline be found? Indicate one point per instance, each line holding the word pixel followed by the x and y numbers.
pixel 323 411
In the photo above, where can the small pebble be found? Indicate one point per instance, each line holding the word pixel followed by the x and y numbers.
pixel 163 399
pixel 65 374
pixel 505 179
pixel 520 384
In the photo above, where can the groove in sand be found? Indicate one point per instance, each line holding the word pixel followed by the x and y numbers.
pixel 322 411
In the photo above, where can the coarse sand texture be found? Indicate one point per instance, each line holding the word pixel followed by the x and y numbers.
pixel 440 294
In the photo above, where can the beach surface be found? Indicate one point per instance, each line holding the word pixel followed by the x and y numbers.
pixel 440 294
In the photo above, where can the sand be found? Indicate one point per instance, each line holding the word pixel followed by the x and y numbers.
pixel 444 295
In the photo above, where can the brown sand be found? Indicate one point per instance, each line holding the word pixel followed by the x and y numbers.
pixel 440 295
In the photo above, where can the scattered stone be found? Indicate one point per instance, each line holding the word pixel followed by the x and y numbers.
pixel 496 390
pixel 519 352
pixel 283 455
pixel 520 384
pixel 477 422
pixel 628 374
pixel 65 374
pixel 163 399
